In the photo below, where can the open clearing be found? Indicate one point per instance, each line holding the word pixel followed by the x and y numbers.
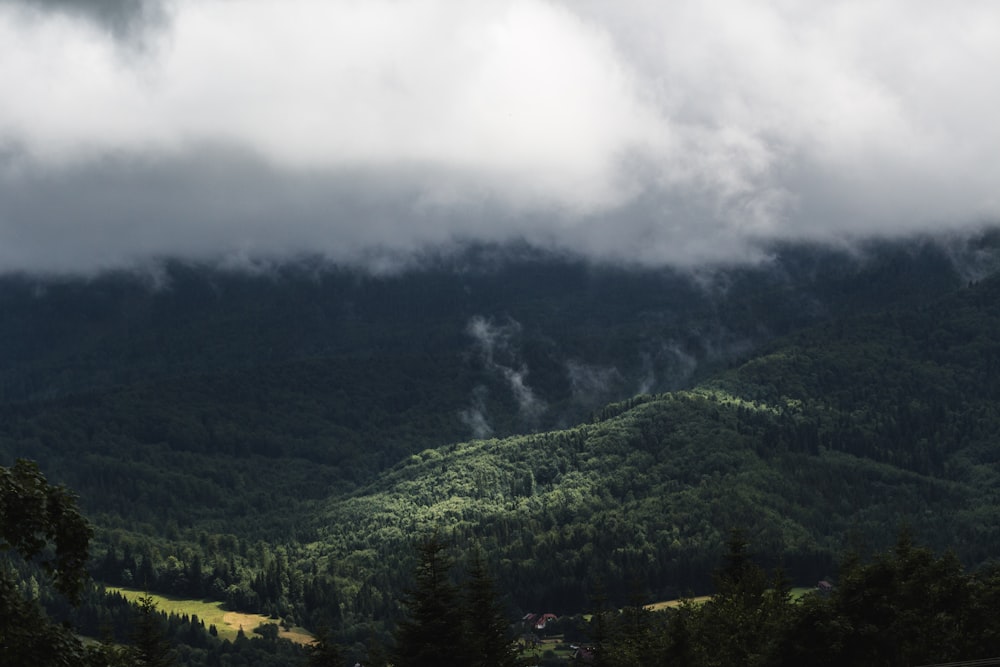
pixel 228 623
pixel 657 606
pixel 795 594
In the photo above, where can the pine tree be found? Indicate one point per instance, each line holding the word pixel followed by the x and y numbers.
pixel 599 634
pixel 324 652
pixel 150 647
pixel 375 653
pixel 487 633
pixel 431 635
pixel 738 624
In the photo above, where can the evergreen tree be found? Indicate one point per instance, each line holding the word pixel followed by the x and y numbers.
pixel 107 654
pixel 487 633
pixel 600 635
pixel 375 653
pixel 740 621
pixel 150 647
pixel 432 633
pixel 636 643
pixel 324 652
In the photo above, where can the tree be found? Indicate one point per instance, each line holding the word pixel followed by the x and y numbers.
pixel 108 654
pixel 600 634
pixel 487 632
pixel 375 653
pixel 431 635
pixel 908 607
pixel 639 634
pixel 150 647
pixel 40 523
pixel 904 607
pixel 741 620
pixel 324 652
pixel 35 515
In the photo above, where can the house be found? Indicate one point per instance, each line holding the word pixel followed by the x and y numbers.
pixel 544 620
pixel 537 621
pixel 824 587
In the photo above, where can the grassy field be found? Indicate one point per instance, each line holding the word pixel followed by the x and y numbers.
pixel 228 623
pixel 798 592
pixel 795 593
pixel 657 606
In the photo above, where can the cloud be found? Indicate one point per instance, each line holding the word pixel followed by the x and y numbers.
pixel 476 416
pixel 125 20
pixel 665 365
pixel 640 131
pixel 592 384
pixel 498 346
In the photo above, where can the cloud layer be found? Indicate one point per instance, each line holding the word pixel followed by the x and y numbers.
pixel 642 131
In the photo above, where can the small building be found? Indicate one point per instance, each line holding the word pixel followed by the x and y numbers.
pixel 537 621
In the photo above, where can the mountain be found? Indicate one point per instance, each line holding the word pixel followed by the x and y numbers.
pixel 836 435
pixel 279 437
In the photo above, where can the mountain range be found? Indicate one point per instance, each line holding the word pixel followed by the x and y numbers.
pixel 278 436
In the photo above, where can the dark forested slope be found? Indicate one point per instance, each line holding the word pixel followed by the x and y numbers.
pixel 237 386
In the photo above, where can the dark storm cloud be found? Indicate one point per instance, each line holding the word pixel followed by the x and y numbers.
pixel 369 132
pixel 221 204
pixel 212 204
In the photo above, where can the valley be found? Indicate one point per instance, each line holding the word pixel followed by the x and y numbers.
pixel 281 442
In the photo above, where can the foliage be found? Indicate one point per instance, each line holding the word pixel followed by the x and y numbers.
pixel 276 441
pixel 40 523
pixel 487 634
pixel 431 634
pixel 446 625
pixel 150 647
pixel 904 607
pixel 325 652
pixel 35 515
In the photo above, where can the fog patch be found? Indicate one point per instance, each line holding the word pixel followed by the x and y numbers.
pixel 498 346
pixel 665 366
pixel 592 384
pixel 476 416
pixel 974 257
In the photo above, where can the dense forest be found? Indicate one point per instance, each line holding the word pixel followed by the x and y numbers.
pixel 280 441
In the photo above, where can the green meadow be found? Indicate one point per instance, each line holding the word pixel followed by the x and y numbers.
pixel 228 623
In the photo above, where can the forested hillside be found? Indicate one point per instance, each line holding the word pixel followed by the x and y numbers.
pixel 834 438
pixel 280 440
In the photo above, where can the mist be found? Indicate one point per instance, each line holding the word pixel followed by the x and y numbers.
pixel 498 348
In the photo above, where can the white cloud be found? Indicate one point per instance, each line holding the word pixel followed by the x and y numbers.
pixel 637 130
pixel 523 95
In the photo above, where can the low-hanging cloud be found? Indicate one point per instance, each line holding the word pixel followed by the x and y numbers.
pixel 592 384
pixel 497 345
pixel 646 131
pixel 476 416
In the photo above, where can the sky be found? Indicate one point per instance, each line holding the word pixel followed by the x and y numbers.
pixel 375 131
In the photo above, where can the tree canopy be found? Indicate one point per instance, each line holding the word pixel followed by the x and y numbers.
pixel 39 523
